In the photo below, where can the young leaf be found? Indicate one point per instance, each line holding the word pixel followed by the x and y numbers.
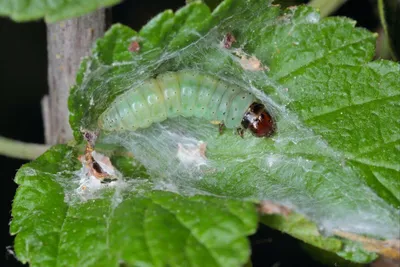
pixel 58 222
pixel 210 3
pixel 51 11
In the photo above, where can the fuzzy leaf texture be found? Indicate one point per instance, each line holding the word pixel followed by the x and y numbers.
pixel 51 11
pixel 333 160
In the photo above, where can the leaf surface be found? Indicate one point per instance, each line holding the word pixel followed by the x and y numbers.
pixel 51 11
pixel 333 160
pixel 125 224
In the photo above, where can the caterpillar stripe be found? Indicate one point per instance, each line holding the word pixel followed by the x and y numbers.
pixel 185 93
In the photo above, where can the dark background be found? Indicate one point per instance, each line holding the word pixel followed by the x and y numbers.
pixel 23 82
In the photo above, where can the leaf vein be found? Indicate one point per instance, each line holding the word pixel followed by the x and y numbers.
pixel 350 106
pixel 145 231
pixel 374 164
pixel 190 231
pixel 59 236
pixel 324 56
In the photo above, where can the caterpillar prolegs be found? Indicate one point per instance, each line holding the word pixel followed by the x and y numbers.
pixel 186 93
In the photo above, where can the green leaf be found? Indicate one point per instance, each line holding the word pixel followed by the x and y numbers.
pixel 129 224
pixel 51 11
pixel 334 158
pixel 328 258
pixel 330 105
pixel 301 228
pixel 210 3
pixel 326 7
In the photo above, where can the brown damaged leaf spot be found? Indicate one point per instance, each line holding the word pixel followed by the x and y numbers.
pixel 202 149
pixel 199 150
pixel 190 154
pixel 269 207
pixel 387 248
pixel 247 62
pixel 94 165
pixel 90 136
pixel 134 46
pixel 228 40
pixel 385 262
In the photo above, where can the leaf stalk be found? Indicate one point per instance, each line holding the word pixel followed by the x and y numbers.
pixel 21 150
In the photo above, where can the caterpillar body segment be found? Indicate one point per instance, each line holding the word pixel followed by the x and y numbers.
pixel 169 85
pixel 154 96
pixel 238 105
pixel 207 87
pixel 189 84
pixel 186 93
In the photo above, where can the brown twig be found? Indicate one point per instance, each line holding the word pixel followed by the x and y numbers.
pixel 67 43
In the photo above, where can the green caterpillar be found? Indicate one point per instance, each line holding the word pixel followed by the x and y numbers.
pixel 186 93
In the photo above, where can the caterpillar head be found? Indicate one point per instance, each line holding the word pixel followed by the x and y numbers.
pixel 258 121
